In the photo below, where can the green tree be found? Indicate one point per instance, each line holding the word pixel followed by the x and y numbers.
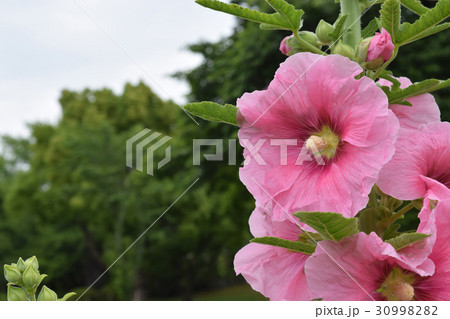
pixel 78 207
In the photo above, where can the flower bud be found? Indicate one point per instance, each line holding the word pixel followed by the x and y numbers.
pixel 311 38
pixel 376 50
pixel 12 273
pixel 290 45
pixel 16 294
pixel 344 50
pixel 380 46
pixel 31 277
pixel 361 52
pixel 323 31
pixel 47 294
pixel 32 261
pixel 284 48
pixel 21 265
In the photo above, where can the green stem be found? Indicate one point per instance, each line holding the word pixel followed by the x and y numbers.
pixel 310 47
pixel 401 212
pixel 31 294
pixel 384 66
pixel 353 22
pixel 383 200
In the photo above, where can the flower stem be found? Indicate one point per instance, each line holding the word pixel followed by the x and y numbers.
pixel 401 212
pixel 353 22
pixel 32 294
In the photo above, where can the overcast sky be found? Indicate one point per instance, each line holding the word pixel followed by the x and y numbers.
pixel 48 45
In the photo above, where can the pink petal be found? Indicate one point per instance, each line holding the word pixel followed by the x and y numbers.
pixel 273 271
pixel 424 109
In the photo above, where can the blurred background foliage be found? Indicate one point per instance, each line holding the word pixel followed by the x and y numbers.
pixel 67 196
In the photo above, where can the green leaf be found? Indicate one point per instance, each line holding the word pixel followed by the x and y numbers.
pixel 211 111
pixel 391 232
pixel 300 247
pixel 274 20
pixel 426 25
pixel 370 29
pixel 431 31
pixel 338 27
pixel 67 296
pixel 390 17
pixel 288 11
pixel 330 226
pixel 368 219
pixel 270 27
pixel 398 96
pixel 415 6
pixel 406 239
pixel 395 83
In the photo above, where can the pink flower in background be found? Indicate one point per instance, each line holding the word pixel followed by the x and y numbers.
pixel 421 164
pixel 343 121
pixel 284 48
pixel 424 109
pixel 376 268
pixel 380 46
pixel 273 271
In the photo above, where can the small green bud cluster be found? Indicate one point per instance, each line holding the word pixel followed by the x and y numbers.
pixel 331 36
pixel 292 45
pixel 24 279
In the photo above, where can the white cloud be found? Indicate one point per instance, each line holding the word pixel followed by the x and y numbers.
pixel 50 45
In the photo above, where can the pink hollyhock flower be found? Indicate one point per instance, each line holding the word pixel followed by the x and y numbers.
pixel 376 270
pixel 273 271
pixel 421 164
pixel 314 142
pixel 424 109
pixel 284 48
pixel 380 46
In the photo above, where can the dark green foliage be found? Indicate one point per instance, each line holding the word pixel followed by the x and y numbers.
pixel 69 198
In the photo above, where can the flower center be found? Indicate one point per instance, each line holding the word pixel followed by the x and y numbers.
pixel 442 177
pixel 398 285
pixel 323 143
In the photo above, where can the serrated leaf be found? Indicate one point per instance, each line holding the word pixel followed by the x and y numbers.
pixel 338 27
pixel 415 6
pixel 211 111
pixel 391 232
pixel 395 83
pixel 296 246
pixel 426 25
pixel 275 19
pixel 288 11
pixel 398 96
pixel 331 226
pixel 370 29
pixel 378 21
pixel 442 84
pixel 404 103
pixel 431 31
pixel 406 239
pixel 269 27
pixel 390 17
pixel 368 219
